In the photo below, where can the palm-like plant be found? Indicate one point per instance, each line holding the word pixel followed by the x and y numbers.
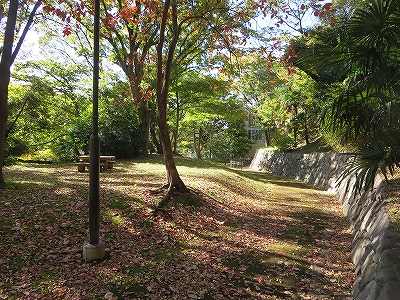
pixel 367 52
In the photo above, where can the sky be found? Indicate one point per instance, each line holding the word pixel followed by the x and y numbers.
pixel 30 48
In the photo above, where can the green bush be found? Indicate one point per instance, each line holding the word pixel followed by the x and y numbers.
pixel 230 143
pixel 118 131
pixel 76 140
pixel 120 138
pixel 15 147
pixel 282 141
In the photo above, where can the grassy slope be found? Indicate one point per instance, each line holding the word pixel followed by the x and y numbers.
pixel 243 235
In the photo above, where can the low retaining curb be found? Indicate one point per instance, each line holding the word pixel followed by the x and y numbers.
pixel 376 246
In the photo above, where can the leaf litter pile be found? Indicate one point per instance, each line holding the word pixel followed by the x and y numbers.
pixel 238 235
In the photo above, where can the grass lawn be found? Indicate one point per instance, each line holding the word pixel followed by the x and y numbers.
pixel 243 235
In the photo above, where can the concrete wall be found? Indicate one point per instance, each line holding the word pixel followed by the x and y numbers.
pixel 376 246
pixel 256 145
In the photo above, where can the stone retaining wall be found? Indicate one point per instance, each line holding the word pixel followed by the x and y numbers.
pixel 376 246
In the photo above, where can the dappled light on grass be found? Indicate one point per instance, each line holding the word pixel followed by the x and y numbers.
pixel 239 235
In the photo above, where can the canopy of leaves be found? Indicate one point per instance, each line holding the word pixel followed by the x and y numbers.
pixel 363 52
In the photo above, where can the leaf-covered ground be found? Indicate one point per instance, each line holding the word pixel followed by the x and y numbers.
pixel 393 198
pixel 242 235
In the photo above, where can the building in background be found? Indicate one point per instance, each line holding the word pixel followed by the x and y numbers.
pixel 256 134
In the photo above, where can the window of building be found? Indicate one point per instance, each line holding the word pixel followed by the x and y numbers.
pixel 254 134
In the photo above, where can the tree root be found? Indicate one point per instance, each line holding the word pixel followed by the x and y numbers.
pixel 159 190
pixel 163 203
pixel 164 212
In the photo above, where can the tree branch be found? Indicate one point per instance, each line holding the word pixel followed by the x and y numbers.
pixel 25 31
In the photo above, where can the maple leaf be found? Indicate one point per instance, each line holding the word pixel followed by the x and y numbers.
pixel 67 30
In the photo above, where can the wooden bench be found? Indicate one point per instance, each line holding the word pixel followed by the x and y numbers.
pixel 106 162
pixel 82 166
pixel 110 164
pixel 236 164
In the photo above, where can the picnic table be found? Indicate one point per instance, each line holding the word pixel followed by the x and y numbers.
pixel 240 162
pixel 236 164
pixel 106 162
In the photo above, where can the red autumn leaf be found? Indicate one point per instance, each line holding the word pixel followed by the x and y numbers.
pixel 327 6
pixel 67 30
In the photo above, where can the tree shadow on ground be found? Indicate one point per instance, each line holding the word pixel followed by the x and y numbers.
pixel 208 250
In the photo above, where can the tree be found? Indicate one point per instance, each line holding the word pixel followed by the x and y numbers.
pixel 256 80
pixel 33 121
pixel 119 122
pixel 201 28
pixel 294 16
pixel 195 99
pixel 15 19
pixel 227 140
pixel 118 126
pixel 366 55
pixel 54 95
pixel 280 100
pixel 206 29
pixel 210 15
pixel 128 32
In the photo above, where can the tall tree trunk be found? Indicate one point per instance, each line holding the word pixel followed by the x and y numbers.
pixel 5 65
pixel 176 129
pixel 175 182
pixel 154 137
pixel 164 69
pixel 154 131
pixel 143 109
pixel 144 126
pixel 4 81
pixel 197 144
pixel 306 133
pixel 267 138
pixel 173 177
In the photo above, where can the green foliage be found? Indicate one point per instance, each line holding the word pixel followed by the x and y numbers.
pixel 283 103
pixel 282 140
pixel 43 105
pixel 200 107
pixel 32 118
pixel 230 143
pixel 46 155
pixel 76 139
pixel 362 56
pixel 15 147
pixel 369 160
pixel 50 109
pixel 119 130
